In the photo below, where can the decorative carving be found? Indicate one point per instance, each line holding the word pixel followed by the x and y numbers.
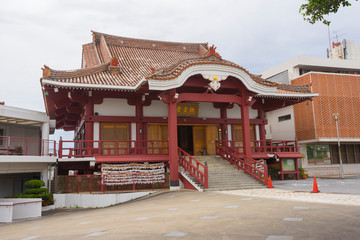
pixel 114 62
pixel 212 52
pixel 215 80
pixel 46 71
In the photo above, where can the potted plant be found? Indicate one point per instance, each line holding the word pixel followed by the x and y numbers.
pixel 303 173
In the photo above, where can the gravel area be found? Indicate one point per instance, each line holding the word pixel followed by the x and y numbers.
pixel 329 198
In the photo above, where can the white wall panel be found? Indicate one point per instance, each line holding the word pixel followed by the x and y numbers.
pixel 207 110
pixel 156 109
pixel 114 107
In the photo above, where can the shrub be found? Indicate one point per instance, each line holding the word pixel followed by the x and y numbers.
pixel 35 190
pixel 34 183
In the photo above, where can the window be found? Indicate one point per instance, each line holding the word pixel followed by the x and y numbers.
pixel 318 154
pixel 350 153
pixel 284 118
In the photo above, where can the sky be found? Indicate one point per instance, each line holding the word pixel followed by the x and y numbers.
pixel 256 34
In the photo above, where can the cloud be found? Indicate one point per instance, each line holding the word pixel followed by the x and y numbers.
pixel 256 34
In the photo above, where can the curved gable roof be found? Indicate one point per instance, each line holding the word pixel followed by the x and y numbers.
pixel 157 62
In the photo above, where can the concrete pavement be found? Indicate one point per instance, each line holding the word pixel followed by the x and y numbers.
pixel 195 215
pixel 348 185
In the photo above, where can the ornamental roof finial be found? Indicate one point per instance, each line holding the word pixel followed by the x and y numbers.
pixel 212 52
pixel 114 62
pixel 46 71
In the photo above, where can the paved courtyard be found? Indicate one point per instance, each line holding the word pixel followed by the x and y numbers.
pixel 349 185
pixel 196 215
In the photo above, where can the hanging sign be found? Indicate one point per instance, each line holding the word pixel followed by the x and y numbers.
pixel 188 109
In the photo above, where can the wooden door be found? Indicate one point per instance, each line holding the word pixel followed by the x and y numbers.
pixel 157 134
pixel 212 132
pixel 199 137
pixel 115 132
pixel 238 137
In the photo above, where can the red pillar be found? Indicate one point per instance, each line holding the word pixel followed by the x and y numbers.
pixel 245 122
pixel 139 125
pixel 89 125
pixel 261 114
pixel 224 126
pixel 173 141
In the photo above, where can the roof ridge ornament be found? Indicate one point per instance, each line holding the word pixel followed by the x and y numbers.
pixel 46 71
pixel 212 52
pixel 114 67
pixel 114 62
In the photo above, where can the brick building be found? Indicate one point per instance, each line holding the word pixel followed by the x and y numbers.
pixel 313 123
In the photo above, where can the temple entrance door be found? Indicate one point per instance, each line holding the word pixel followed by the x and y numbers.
pixel 199 139
pixel 185 138
pixel 212 132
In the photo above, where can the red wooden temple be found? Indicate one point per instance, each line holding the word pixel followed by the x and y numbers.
pixel 136 101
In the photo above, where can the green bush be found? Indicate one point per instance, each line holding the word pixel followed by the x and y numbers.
pixel 34 183
pixel 47 198
pixel 35 190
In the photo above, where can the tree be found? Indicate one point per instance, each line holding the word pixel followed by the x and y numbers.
pixel 315 10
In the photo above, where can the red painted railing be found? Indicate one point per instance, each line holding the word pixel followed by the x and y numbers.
pixel 88 148
pixel 250 166
pixel 27 146
pixel 275 146
pixel 268 146
pixel 195 168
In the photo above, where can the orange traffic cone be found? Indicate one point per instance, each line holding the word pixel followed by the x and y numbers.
pixel 270 183
pixel 315 188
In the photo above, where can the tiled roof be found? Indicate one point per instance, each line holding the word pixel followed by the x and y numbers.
pixel 149 44
pixel 98 75
pixel 139 59
pixel 175 70
pixel 290 89
pixel 91 57
pixel 136 59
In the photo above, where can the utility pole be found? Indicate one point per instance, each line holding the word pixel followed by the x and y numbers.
pixel 336 117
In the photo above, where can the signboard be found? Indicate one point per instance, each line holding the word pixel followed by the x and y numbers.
pixel 188 109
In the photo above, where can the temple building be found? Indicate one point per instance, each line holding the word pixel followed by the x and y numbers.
pixel 147 105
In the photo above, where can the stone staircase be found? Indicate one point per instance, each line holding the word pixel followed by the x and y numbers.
pixel 224 176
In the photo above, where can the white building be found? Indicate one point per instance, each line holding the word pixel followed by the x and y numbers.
pixel 347 49
pixel 25 151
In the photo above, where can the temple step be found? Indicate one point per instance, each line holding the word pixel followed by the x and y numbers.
pixel 224 176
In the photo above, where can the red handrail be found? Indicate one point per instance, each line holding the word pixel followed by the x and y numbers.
pixel 10 145
pixel 275 146
pixel 187 162
pixel 250 166
pixel 268 146
pixel 90 148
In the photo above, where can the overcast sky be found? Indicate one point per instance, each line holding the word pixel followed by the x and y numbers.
pixel 256 34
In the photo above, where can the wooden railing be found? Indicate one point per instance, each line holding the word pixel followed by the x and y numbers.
pixel 88 148
pixel 267 146
pixel 195 168
pixel 10 145
pixel 249 165
pixel 275 146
